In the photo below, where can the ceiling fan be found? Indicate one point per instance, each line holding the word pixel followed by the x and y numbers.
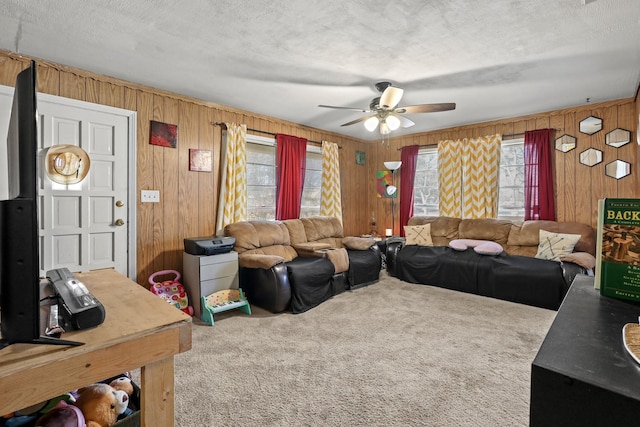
pixel 387 114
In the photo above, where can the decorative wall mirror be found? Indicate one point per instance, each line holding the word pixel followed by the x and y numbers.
pixel 617 169
pixel 591 157
pixel 565 143
pixel 591 125
pixel 618 137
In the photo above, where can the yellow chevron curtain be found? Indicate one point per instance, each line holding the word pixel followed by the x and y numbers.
pixel 450 178
pixel 331 195
pixel 468 177
pixel 232 205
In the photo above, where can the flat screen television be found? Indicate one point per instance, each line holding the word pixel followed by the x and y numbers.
pixel 19 232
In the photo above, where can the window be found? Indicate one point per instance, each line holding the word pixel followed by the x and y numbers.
pixel 511 185
pixel 312 190
pixel 261 179
pixel 426 195
pixel 511 192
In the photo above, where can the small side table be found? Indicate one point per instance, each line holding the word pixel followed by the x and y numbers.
pixel 206 274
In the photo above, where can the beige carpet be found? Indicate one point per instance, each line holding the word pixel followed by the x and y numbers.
pixel 390 354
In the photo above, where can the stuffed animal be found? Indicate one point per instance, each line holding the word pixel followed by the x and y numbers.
pixel 124 384
pixel 62 415
pixel 26 416
pixel 102 403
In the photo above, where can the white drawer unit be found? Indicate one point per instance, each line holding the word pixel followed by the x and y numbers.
pixel 206 274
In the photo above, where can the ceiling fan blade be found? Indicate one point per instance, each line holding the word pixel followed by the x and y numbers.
pixel 426 108
pixel 362 110
pixel 390 97
pixel 353 122
pixel 405 122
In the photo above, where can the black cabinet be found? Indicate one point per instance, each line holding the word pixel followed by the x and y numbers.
pixel 582 375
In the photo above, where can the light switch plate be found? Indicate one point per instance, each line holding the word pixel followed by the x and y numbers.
pixel 150 196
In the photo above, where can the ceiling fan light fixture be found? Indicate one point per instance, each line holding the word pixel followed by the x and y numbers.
pixel 384 128
pixel 390 97
pixel 371 123
pixel 393 122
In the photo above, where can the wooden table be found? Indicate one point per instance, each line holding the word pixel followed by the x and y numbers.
pixel 140 331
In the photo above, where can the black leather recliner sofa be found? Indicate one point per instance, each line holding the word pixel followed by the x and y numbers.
pixel 515 275
pixel 297 264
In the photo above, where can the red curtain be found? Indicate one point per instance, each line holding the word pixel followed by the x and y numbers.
pixel 538 176
pixel 409 157
pixel 291 160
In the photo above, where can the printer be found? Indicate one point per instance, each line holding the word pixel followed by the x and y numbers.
pixel 210 245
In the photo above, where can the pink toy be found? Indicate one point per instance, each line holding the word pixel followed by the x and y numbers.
pixel 171 291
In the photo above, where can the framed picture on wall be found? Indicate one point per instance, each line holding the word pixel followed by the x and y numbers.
pixel 163 134
pixel 200 160
pixel 360 157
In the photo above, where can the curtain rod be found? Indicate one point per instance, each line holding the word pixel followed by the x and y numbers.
pixel 507 135
pixel 268 133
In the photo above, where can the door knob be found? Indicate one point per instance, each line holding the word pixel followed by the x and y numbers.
pixel 119 203
pixel 119 222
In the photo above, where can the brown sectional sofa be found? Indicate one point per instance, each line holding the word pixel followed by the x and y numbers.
pixel 515 275
pixel 299 263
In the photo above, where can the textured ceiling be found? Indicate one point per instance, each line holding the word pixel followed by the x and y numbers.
pixel 495 59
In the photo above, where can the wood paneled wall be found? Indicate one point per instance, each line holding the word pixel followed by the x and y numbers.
pixel 578 187
pixel 188 200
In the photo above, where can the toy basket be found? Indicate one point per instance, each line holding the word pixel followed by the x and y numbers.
pixel 171 291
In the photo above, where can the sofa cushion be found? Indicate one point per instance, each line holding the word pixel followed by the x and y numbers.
pixel 257 234
pixel 358 243
pixel 320 227
pixel 418 235
pixel 248 260
pixel 583 259
pixel 339 258
pixel 284 251
pixel 553 245
pixel 296 231
pixel 495 230
pixel 261 237
pixel 483 247
pixel 524 236
pixel 308 248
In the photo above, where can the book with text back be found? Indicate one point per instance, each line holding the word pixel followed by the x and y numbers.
pixel 618 248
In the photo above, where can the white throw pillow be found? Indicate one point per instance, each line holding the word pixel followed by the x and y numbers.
pixel 418 235
pixel 553 245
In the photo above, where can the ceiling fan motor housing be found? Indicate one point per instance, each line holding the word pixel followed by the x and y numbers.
pixel 381 86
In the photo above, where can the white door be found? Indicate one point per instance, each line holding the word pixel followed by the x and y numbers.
pixel 85 226
pixel 79 222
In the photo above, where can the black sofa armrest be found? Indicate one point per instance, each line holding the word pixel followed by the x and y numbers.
pixel 569 272
pixel 393 247
pixel 268 288
pixel 376 250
